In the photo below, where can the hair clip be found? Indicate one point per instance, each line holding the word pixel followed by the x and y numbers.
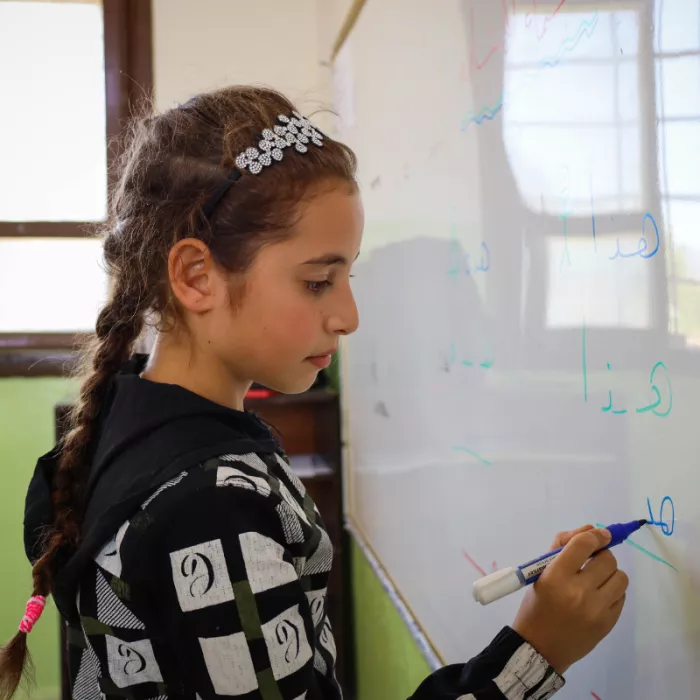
pixel 294 131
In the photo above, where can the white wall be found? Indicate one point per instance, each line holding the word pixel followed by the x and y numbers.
pixel 204 44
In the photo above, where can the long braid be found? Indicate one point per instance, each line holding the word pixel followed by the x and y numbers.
pixel 118 326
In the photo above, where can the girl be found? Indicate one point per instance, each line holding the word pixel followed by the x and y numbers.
pixel 179 546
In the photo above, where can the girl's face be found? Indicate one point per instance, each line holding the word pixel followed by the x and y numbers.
pixel 295 299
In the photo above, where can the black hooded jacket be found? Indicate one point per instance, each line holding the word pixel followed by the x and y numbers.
pixel 203 565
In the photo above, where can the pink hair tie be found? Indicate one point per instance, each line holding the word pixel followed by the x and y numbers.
pixel 35 607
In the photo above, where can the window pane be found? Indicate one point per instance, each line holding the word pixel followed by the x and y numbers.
pixel 629 104
pixel 606 295
pixel 572 93
pixel 687 313
pixel 579 109
pixel 679 145
pixel 682 224
pixel 536 155
pixel 50 284
pixel 677 24
pixel 630 145
pixel 678 87
pixel 53 124
pixel 574 36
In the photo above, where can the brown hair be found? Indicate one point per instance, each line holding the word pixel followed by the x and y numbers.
pixel 172 164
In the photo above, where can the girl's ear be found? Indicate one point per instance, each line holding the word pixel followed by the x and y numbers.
pixel 197 283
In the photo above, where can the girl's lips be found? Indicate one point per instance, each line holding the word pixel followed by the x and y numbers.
pixel 320 361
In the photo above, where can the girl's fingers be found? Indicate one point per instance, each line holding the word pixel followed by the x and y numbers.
pixel 562 538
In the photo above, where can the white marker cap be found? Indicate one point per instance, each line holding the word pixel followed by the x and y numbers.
pixel 496 585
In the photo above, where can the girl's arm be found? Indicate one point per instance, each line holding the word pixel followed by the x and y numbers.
pixel 574 605
pixel 508 668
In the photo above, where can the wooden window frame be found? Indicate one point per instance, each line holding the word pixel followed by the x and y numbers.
pixel 128 81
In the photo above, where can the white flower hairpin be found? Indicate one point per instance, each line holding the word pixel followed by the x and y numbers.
pixel 294 131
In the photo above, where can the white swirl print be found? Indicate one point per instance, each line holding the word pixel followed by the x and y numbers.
pixel 200 576
pixel 287 644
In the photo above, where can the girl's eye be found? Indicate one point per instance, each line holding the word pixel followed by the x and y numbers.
pixel 318 287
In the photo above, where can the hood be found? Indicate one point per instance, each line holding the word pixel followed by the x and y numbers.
pixel 147 433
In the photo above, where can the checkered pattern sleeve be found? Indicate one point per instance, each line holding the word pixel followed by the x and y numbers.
pixel 228 592
pixel 508 669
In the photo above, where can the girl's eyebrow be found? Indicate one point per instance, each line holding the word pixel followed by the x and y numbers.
pixel 329 259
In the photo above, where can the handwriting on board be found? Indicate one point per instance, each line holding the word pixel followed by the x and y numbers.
pixel 661 391
pixel 540 27
pixel 629 541
pixel 647 246
pixel 485 363
pixel 642 250
pixel 660 405
pixel 568 45
pixel 494 565
pixel 472 453
pixel 486 113
pixel 666 519
pixel 469 263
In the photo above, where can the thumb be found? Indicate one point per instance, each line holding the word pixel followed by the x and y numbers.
pixel 580 549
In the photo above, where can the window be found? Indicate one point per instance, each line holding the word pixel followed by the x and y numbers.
pixel 677 72
pixel 72 70
pixel 53 140
pixel 602 116
pixel 564 105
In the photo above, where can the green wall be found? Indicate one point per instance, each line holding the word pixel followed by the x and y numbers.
pixel 26 432
pixel 389 663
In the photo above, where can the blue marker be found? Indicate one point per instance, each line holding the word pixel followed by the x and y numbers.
pixel 502 583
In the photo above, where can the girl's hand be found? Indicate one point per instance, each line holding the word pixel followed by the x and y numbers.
pixel 577 600
pixel 563 538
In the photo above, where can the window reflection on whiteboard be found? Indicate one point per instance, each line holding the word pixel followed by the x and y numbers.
pixel 614 294
pixel 572 96
pixel 677 118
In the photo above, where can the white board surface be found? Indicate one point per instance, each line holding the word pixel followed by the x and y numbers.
pixel 528 358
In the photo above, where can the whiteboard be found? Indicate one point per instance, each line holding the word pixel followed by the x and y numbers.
pixel 528 358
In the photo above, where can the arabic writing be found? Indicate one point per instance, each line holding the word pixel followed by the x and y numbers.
pixel 642 249
pixel 462 262
pixel 659 381
pixel 486 363
pixel 645 551
pixel 666 524
pixel 643 245
pixel 655 390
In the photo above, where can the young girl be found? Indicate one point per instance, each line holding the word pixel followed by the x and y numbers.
pixel 184 554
